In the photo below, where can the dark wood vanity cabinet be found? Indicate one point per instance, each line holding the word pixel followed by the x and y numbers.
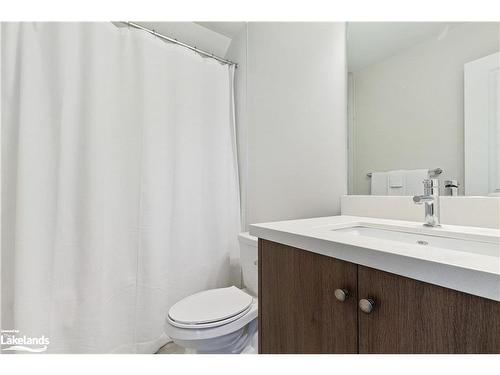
pixel 411 316
pixel 299 313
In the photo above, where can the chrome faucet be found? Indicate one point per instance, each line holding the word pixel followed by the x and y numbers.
pixel 431 200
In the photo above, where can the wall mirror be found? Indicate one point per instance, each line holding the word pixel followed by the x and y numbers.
pixel 423 98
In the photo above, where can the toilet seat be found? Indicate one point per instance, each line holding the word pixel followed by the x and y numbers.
pixel 197 333
pixel 216 323
pixel 210 308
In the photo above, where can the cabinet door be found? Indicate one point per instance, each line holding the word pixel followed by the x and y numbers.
pixel 298 311
pixel 416 317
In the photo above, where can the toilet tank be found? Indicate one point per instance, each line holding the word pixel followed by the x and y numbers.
pixel 248 256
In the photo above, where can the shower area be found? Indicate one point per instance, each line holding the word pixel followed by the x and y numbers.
pixel 120 184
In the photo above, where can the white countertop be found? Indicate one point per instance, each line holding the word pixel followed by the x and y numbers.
pixel 469 272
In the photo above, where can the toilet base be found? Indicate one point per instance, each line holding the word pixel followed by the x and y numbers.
pixel 242 341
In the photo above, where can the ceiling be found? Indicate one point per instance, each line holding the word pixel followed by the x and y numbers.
pixel 229 29
pixel 371 42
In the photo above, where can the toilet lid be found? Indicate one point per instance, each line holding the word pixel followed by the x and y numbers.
pixel 210 306
pixel 217 323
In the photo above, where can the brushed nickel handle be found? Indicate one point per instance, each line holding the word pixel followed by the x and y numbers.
pixel 341 294
pixel 366 305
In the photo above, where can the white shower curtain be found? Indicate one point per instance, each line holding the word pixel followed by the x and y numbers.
pixel 119 183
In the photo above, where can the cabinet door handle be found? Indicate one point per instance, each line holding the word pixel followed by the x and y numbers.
pixel 341 294
pixel 366 305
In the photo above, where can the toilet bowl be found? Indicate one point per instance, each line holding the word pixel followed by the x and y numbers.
pixel 222 320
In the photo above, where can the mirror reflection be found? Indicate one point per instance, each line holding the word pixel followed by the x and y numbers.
pixel 423 103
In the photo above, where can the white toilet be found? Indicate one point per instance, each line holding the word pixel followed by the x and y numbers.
pixel 220 320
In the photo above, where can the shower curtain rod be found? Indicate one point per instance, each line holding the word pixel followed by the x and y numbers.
pixel 175 41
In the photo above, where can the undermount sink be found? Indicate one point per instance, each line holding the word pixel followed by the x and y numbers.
pixel 483 245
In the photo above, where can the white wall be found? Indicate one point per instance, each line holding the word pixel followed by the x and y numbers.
pixel 409 107
pixel 296 106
